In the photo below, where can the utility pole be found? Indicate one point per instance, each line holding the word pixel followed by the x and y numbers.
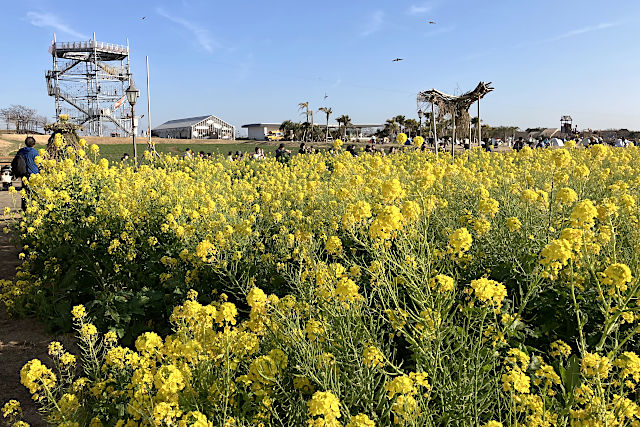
pixel 479 127
pixel 453 139
pixel 433 120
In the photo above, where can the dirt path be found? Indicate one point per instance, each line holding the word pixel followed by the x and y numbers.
pixel 20 339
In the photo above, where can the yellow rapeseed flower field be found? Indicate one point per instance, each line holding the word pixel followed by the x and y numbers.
pixel 333 290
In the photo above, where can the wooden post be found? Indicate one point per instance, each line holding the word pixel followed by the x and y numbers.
pixel 433 121
pixel 149 143
pixel 453 138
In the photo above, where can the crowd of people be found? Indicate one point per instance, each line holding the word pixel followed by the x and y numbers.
pixel 375 146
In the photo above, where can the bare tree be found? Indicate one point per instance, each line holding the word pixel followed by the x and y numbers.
pixel 22 118
pixel 41 122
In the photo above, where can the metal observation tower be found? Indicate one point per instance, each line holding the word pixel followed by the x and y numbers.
pixel 88 82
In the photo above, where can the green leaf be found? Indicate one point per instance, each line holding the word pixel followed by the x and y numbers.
pixel 571 376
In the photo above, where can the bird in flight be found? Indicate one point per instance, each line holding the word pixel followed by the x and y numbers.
pixel 325 95
pixel 432 22
pixel 398 59
pixel 144 17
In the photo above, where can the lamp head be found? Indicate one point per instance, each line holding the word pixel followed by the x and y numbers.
pixel 132 94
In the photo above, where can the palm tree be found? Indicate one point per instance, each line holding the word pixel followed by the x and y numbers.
pixel 288 128
pixel 327 111
pixel 346 121
pixel 391 127
pixel 304 107
pixel 412 126
pixel 311 134
pixel 400 120
pixel 340 121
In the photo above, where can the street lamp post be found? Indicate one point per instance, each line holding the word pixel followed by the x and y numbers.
pixel 132 96
pixel 420 114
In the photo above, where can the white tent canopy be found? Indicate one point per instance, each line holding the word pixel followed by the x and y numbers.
pixel 557 142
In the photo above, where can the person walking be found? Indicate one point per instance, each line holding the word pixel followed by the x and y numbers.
pixel 28 155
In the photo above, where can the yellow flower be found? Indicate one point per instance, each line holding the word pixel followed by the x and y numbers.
pixel 556 254
pixel 198 419
pixel 516 356
pixel 256 298
pixel 333 245
pixel 516 380
pixel 392 190
pixel 34 376
pixel 314 329
pixel 411 211
pixel 55 349
pixel 67 359
pixel 361 420
pixel 227 313
pixel 617 276
pixel 372 356
pixel 387 222
pixel 442 283
pixel 595 365
pixel 88 331
pixel 169 380
pixel 149 343
pixel 12 409
pixel 110 338
pixel 79 312
pixel 401 138
pixel 566 196
pixel 325 404
pixel 560 348
pixel 166 413
pixel 460 241
pixel 629 364
pixel 583 214
pixel 400 385
pixel 337 144
pixel 488 207
pixel 489 291
pixel 68 404
pixel 513 224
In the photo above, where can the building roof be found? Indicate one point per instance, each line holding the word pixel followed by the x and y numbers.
pixel 251 125
pixel 331 125
pixel 545 133
pixel 181 123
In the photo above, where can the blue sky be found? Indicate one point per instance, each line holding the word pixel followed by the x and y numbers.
pixel 251 61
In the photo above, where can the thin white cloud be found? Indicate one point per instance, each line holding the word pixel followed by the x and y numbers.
pixel 579 31
pixel 49 20
pixel 420 9
pixel 374 23
pixel 201 34
pixel 572 33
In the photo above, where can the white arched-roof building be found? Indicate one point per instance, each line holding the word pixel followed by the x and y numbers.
pixel 201 127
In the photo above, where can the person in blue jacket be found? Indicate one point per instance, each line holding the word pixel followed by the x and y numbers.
pixel 29 154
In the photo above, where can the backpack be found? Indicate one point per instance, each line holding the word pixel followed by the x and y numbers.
pixel 19 166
